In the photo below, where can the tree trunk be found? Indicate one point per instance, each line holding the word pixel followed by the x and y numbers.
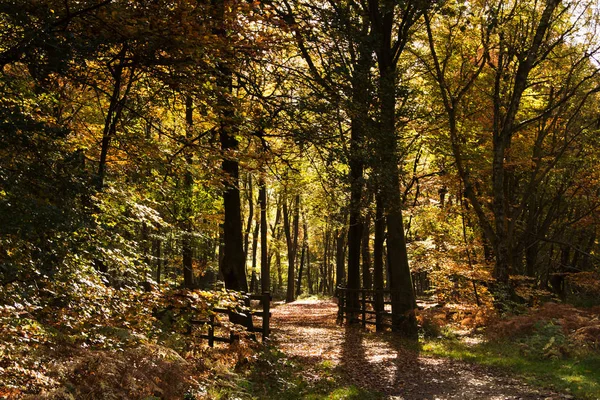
pixel 276 233
pixel 389 48
pixel 366 254
pixel 113 114
pixel 234 260
pixel 325 265
pixel 359 115
pixel 501 246
pixel 302 260
pixel 309 281
pixel 403 298
pixel 254 280
pixel 585 263
pixel 331 265
pixel 265 273
pixel 250 215
pixel 186 239
pixel 292 244
pixel 340 267
pixel 503 130
pixel 378 261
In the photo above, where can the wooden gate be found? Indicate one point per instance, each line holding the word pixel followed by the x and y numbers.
pixel 373 308
pixel 246 319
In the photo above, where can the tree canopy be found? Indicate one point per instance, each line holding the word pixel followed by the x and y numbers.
pixel 442 150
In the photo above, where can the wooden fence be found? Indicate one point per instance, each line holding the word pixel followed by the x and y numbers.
pixel 245 319
pixel 372 307
pixel 421 283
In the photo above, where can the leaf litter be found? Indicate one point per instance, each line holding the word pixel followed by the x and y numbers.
pixel 307 332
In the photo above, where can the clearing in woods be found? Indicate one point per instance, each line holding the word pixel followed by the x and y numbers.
pixel 307 333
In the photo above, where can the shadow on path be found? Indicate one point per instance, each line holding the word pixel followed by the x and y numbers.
pixel 382 362
pixel 307 331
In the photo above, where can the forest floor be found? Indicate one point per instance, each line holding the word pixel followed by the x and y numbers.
pixel 376 365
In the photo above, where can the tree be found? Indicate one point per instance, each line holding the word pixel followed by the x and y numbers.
pixel 516 60
pixel 390 41
pixel 265 271
pixel 291 236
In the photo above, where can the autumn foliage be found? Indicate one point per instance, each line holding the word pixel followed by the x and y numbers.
pixel 152 152
pixel 82 334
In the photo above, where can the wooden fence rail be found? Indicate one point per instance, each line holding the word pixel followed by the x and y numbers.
pixel 245 319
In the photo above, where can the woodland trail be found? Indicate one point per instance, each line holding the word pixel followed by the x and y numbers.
pixel 307 332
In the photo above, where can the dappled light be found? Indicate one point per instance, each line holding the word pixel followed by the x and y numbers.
pixel 306 330
pixel 299 199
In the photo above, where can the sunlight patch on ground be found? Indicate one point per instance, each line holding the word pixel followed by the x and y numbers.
pixel 377 353
pixel 308 332
pixel 477 382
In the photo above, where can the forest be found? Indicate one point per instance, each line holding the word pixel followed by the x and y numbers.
pixel 409 190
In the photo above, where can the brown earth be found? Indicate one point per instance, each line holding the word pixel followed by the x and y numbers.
pixel 307 332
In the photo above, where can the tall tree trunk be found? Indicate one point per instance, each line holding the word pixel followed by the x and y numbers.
pixel 366 254
pixel 254 280
pixel 302 259
pixel 389 48
pixel 289 245
pixel 276 233
pixel 265 273
pixel 296 236
pixel 340 265
pixel 234 260
pixel 250 215
pixel 186 239
pixel 463 218
pixel 167 254
pixel 403 298
pixel 221 248
pixel 331 265
pixel 113 114
pixel 359 115
pixel 585 264
pixel 531 254
pixel 309 280
pixel 501 246
pixel 292 244
pixel 325 264
pixel 378 261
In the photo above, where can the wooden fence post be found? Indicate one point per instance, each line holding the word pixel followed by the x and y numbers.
pixel 266 301
pixel 211 331
pixel 341 305
pixel 364 308
pixel 249 322
pixel 379 309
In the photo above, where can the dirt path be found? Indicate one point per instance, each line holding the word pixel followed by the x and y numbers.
pixel 307 332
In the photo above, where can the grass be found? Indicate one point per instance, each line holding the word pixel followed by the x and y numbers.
pixel 577 374
pixel 274 376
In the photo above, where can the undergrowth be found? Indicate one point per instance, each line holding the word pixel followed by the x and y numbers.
pixel 271 375
pixel 555 346
pixel 77 338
